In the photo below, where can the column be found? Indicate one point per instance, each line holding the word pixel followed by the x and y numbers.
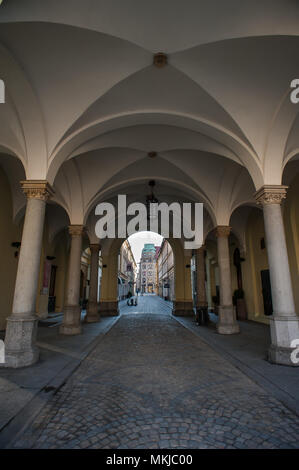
pixel 108 306
pixel 227 324
pixel 284 324
pixel 208 271
pixel 201 297
pixel 72 310
pixel 93 306
pixel 20 338
pixel 183 303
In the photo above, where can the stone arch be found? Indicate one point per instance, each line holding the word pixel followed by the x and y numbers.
pixel 238 222
pixel 10 239
pixel 183 293
pixel 193 193
pixel 211 130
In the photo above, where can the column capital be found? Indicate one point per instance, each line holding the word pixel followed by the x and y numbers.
pixel 271 194
pixel 76 230
pixel 95 247
pixel 222 231
pixel 201 248
pixel 199 252
pixel 37 189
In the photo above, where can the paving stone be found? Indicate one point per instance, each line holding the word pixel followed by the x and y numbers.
pixel 151 383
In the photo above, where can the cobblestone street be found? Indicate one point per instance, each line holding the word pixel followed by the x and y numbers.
pixel 151 383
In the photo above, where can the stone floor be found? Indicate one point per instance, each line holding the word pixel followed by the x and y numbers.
pixel 152 383
pixel 23 391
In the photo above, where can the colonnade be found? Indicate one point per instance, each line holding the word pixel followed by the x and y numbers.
pixel 284 323
pixel 201 296
pixel 20 340
pixel 20 347
pixel 72 312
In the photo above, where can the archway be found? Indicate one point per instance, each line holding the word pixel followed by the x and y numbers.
pixel 182 290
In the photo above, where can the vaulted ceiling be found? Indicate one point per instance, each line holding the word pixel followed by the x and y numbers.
pixel 85 105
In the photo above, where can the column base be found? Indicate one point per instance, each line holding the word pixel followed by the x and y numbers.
pixel 183 309
pixel 92 318
pixel 109 309
pixel 71 325
pixel 92 315
pixel 227 324
pixel 284 329
pixel 43 303
pixel 20 339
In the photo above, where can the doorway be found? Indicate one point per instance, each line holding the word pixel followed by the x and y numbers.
pixel 266 290
pixel 52 298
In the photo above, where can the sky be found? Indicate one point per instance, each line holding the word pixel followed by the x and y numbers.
pixel 138 240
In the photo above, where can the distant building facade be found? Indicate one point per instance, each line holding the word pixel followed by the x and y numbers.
pixel 165 272
pixel 127 270
pixel 148 269
pixel 85 277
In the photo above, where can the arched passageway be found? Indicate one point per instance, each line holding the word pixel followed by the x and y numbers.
pixel 94 122
pixel 174 118
pixel 182 291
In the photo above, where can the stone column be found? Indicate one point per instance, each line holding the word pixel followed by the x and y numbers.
pixel 108 306
pixel 72 311
pixel 93 306
pixel 201 297
pixel 284 323
pixel 20 339
pixel 227 324
pixel 183 303
pixel 208 271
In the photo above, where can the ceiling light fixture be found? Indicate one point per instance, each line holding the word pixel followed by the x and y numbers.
pixel 152 211
pixel 152 154
pixel 160 60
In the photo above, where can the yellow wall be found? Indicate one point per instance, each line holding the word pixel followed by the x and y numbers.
pixel 42 299
pixel 58 249
pixel 9 233
pixel 211 247
pixel 233 244
pixel 183 290
pixel 291 222
pixel 61 253
pixel 256 261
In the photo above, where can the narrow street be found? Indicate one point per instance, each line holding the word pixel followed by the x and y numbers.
pixel 152 383
pixel 147 303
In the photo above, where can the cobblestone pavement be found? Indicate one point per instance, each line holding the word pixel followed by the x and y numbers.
pixel 151 383
pixel 147 303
